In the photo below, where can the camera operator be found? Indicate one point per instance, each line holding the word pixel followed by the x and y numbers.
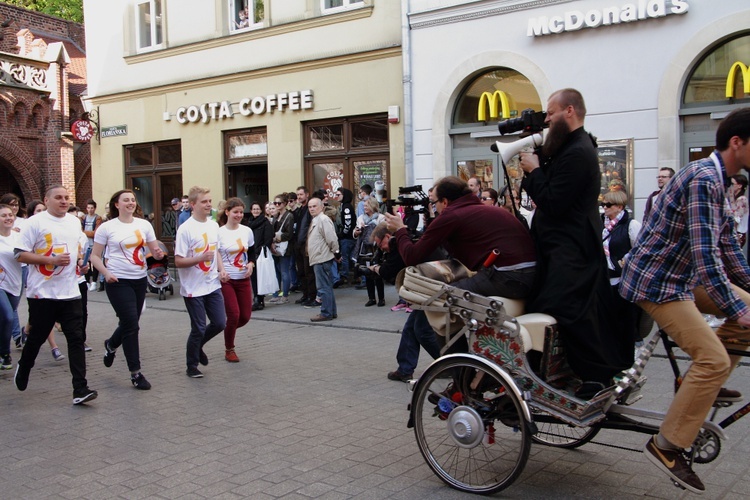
pixel 469 232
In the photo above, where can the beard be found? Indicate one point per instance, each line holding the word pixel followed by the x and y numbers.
pixel 556 136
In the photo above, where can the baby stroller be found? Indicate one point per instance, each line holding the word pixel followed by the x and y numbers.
pixel 157 274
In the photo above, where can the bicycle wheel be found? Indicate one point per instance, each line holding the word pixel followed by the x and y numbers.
pixel 553 432
pixel 470 426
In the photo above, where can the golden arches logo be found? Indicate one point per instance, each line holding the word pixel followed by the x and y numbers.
pixel 732 75
pixel 499 104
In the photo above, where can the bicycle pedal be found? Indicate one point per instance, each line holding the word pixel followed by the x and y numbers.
pixel 678 484
pixel 632 399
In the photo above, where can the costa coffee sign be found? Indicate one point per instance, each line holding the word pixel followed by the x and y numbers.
pixel 259 105
pixel 82 130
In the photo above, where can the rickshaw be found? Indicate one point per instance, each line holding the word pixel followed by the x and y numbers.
pixel 476 414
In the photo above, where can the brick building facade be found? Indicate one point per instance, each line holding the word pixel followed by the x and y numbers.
pixel 42 77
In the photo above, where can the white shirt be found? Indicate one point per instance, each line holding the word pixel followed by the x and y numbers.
pixel 10 268
pixel 125 254
pixel 233 247
pixel 46 234
pixel 194 238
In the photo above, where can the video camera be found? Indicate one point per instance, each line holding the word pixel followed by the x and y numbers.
pixel 530 122
pixel 415 202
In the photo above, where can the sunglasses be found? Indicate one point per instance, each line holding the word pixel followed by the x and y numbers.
pixel 485 198
pixel 277 203
pixel 607 205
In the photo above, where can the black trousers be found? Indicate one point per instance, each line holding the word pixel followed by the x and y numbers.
pixel 305 274
pixel 43 314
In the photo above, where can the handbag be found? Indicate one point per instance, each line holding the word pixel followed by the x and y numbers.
pixel 267 282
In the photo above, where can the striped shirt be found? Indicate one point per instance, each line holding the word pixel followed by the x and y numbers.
pixel 687 241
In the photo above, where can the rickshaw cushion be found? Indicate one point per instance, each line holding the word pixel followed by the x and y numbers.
pixel 536 325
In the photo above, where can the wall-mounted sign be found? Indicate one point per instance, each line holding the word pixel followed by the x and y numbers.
pixel 82 130
pixel 222 110
pixel 114 131
pixel 499 104
pixel 574 20
pixel 744 71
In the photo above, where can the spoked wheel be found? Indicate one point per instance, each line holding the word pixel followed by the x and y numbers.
pixel 470 426
pixel 553 432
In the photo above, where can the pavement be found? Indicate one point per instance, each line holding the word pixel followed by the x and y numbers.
pixel 307 413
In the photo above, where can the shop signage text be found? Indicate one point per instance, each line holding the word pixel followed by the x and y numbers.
pixel 114 131
pixel 574 20
pixel 293 101
pixel 82 130
pixel 744 71
pixel 498 103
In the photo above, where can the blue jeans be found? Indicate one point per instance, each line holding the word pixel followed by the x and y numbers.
pixel 211 305
pixel 347 247
pixel 324 282
pixel 127 297
pixel 8 318
pixel 283 271
pixel 17 324
pixel 417 331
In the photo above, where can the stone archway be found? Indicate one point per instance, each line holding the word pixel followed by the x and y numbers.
pixel 26 173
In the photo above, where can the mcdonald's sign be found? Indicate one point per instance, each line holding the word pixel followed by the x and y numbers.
pixel 732 75
pixel 499 103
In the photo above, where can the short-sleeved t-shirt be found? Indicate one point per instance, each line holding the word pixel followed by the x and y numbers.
pixel 48 235
pixel 194 238
pixel 10 268
pixel 126 246
pixel 233 246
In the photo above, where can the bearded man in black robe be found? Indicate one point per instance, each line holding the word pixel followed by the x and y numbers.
pixel 572 283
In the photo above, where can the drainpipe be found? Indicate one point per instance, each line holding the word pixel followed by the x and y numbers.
pixel 407 121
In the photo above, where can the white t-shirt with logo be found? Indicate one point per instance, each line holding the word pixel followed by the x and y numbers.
pixel 233 246
pixel 10 268
pixel 126 246
pixel 194 238
pixel 48 235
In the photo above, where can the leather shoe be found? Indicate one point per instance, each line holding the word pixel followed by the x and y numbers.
pixel 728 396
pixel 370 302
pixel 398 376
pixel 381 303
pixel 320 317
pixel 301 300
pixel 338 283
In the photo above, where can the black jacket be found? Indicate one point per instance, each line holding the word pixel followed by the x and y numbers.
pixel 262 233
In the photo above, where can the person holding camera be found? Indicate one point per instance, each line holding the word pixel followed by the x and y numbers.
pixel 573 287
pixel 469 232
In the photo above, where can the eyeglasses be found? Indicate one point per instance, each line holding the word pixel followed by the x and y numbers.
pixel 277 203
pixel 485 198
pixel 607 205
pixel 13 203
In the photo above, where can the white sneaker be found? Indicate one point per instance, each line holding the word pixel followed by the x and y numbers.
pixel 92 286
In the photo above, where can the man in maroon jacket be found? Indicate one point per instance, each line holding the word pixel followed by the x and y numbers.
pixel 469 231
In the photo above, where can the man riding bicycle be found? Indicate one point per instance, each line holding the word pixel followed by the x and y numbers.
pixel 685 263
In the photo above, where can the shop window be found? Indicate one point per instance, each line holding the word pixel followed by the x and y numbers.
pixel 245 15
pixel 149 25
pixel 347 152
pixel 154 173
pixel 722 76
pixel 332 6
pixel 246 145
pixel 246 165
pixel 495 95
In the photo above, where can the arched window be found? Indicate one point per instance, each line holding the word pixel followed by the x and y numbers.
pixel 495 95
pixel 722 76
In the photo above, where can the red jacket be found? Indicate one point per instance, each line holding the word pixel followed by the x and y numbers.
pixel 469 231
